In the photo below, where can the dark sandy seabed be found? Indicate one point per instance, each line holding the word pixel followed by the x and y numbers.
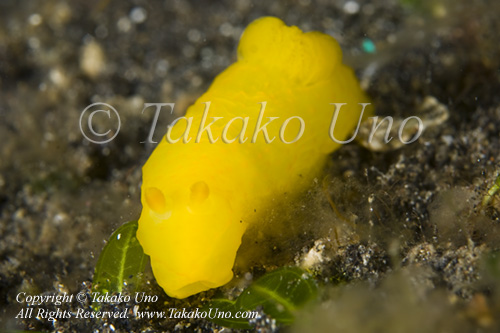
pixel 419 252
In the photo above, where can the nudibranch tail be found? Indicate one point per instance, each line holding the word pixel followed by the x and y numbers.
pixel 274 46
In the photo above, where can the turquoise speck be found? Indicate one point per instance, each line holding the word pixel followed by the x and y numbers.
pixel 368 46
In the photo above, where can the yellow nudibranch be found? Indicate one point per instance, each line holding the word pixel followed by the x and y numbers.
pixel 199 197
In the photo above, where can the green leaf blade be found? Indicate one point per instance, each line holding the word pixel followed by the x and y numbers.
pixel 280 294
pixel 120 262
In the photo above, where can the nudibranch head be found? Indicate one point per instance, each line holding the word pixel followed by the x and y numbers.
pixel 187 224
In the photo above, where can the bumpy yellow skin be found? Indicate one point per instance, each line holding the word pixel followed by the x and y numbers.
pixel 199 198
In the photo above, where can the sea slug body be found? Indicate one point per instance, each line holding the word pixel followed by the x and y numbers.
pixel 199 198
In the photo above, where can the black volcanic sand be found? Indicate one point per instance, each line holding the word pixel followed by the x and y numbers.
pixel 408 248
